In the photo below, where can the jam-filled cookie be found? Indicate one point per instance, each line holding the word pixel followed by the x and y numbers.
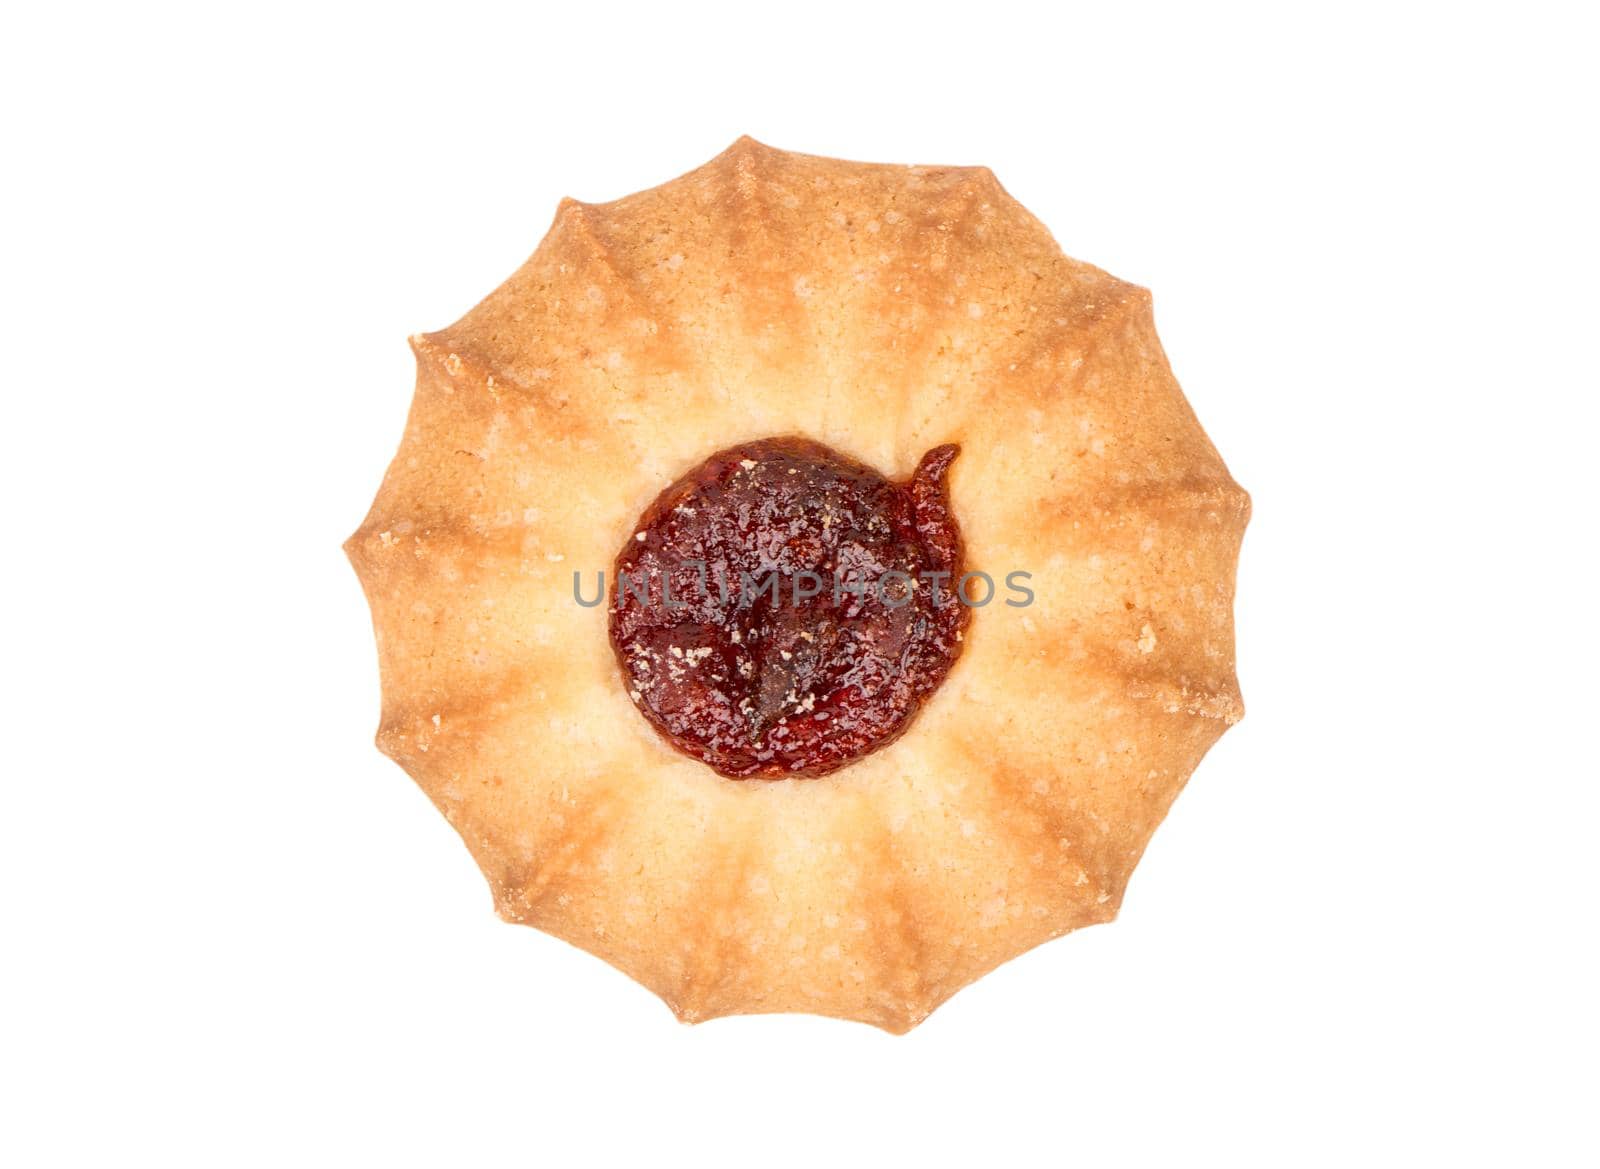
pixel 802 586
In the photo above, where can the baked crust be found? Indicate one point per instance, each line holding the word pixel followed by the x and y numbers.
pixel 882 310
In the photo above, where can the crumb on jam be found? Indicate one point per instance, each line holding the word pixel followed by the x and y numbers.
pixel 782 610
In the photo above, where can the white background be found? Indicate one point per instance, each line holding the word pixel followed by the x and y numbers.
pixel 235 934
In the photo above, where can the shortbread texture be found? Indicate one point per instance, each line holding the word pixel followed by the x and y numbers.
pixel 882 310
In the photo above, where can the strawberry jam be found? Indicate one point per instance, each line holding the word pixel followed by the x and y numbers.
pixel 782 610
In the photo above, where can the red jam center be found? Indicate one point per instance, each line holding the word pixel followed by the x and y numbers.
pixel 782 610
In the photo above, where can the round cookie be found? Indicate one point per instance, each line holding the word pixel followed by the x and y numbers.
pixel 883 312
